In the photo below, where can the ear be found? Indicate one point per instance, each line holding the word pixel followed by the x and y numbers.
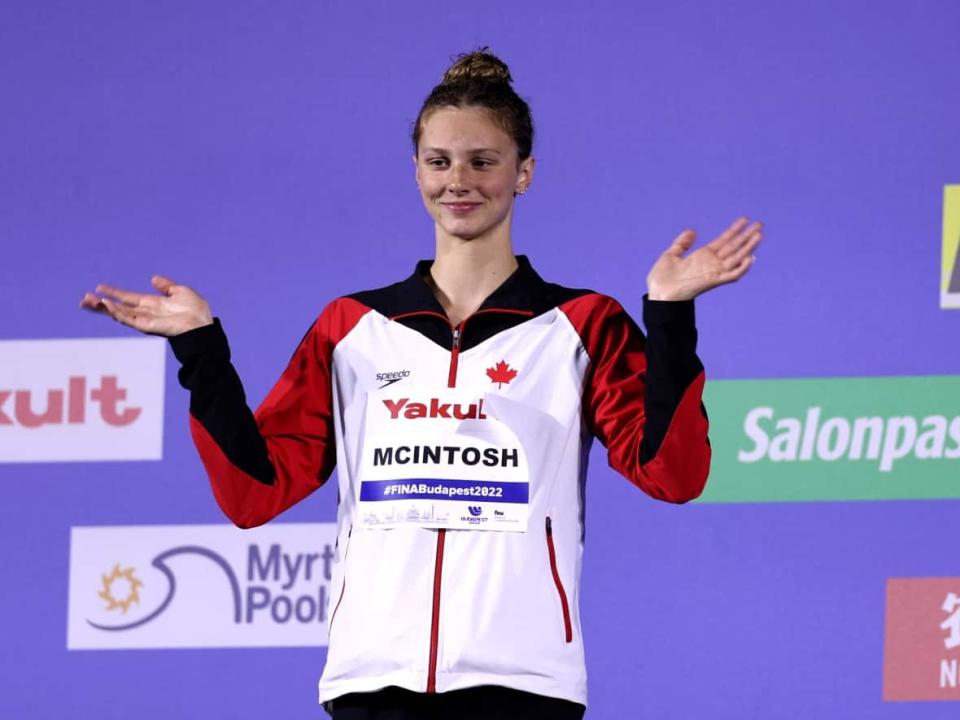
pixel 416 173
pixel 525 174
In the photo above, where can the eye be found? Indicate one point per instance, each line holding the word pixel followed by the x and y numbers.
pixel 437 162
pixel 482 163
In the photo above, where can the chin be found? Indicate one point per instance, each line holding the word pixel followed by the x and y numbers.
pixel 464 237
pixel 465 232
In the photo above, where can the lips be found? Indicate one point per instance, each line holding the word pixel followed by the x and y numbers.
pixel 461 207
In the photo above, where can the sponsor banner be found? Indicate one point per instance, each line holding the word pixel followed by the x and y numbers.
pixel 950 262
pixel 834 439
pixel 200 586
pixel 921 652
pixel 81 400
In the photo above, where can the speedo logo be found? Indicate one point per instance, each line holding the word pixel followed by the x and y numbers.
pixel 434 409
pixel 884 440
pixel 389 378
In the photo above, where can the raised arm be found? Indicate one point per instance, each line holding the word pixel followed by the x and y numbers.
pixel 643 395
pixel 260 463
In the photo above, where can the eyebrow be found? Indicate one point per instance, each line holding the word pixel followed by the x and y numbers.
pixel 474 151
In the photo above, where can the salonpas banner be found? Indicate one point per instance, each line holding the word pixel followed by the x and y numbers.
pixel 834 439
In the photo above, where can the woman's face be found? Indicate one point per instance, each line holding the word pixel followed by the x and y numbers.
pixel 468 172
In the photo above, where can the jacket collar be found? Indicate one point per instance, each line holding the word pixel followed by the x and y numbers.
pixel 520 291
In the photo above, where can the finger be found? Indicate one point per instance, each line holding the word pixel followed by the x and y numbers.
pixel 137 318
pixel 732 231
pixel 733 244
pixel 125 296
pixel 91 302
pixel 746 249
pixel 101 304
pixel 739 270
pixel 681 243
pixel 115 310
pixel 128 311
pixel 162 284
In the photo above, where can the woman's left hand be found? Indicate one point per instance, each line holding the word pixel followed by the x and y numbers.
pixel 726 259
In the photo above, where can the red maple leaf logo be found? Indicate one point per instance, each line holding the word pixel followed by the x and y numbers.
pixel 501 373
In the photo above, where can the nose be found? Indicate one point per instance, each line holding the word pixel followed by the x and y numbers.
pixel 456 183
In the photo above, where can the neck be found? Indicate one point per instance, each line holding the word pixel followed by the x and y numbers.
pixel 465 272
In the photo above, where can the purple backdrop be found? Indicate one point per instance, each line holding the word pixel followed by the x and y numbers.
pixel 259 151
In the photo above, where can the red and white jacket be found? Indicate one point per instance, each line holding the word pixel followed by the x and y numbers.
pixel 433 610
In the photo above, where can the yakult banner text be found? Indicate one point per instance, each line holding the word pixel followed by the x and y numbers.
pixel 834 439
pixel 191 586
pixel 81 400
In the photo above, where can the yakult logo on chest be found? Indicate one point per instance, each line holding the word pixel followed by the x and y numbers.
pixel 434 409
pixel 74 400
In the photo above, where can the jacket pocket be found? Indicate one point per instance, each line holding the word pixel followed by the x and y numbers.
pixel 343 583
pixel 567 625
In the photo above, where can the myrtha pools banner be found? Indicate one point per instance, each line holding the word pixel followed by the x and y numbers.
pixel 189 586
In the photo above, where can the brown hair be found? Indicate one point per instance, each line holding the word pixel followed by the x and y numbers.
pixel 481 79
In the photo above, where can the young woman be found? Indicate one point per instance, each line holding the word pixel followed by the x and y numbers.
pixel 458 406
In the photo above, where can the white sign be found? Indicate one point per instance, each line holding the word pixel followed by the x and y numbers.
pixel 192 586
pixel 441 459
pixel 77 400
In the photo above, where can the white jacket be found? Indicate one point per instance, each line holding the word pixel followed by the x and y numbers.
pixel 432 609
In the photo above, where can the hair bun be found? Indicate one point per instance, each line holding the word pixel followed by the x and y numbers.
pixel 479 65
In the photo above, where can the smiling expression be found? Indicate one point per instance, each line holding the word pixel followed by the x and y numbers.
pixel 468 172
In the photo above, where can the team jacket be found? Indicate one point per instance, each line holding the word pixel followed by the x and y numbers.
pixel 433 610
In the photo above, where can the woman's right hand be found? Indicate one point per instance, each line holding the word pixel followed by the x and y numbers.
pixel 177 309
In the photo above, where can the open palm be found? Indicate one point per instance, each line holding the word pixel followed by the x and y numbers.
pixel 680 276
pixel 175 310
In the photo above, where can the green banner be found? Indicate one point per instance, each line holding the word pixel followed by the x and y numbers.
pixel 883 438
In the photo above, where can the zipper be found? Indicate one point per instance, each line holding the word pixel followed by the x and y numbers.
pixel 435 619
pixel 455 355
pixel 441 537
pixel 567 625
pixel 456 333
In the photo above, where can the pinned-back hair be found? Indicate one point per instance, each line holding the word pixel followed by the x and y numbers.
pixel 481 79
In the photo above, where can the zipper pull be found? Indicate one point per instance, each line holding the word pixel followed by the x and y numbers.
pixel 456 337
